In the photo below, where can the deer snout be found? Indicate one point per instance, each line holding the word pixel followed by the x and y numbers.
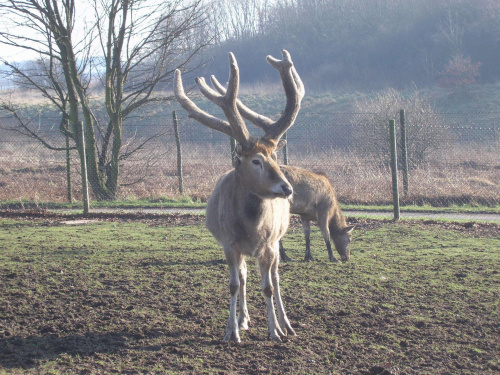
pixel 282 189
pixel 287 190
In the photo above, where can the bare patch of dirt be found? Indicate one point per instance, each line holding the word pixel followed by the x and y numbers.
pixel 51 218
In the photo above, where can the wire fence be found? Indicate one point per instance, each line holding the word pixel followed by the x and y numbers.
pixel 455 160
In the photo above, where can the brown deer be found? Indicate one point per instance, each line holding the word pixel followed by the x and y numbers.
pixel 314 200
pixel 248 211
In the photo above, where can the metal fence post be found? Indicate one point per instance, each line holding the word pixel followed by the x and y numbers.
pixel 85 185
pixel 394 169
pixel 285 149
pixel 233 151
pixel 68 172
pixel 179 152
pixel 404 150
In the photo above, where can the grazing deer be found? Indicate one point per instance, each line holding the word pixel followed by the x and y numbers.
pixel 248 211
pixel 314 199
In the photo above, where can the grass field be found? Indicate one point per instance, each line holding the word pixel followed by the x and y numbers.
pixel 151 296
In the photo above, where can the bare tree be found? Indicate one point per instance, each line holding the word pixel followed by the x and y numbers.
pixel 239 19
pixel 133 46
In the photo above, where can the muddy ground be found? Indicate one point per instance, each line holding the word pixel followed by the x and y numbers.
pixel 148 294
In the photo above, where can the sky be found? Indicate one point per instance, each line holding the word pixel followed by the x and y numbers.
pixel 84 12
pixel 13 54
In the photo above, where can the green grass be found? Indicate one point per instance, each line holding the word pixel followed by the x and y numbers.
pixel 152 296
pixel 466 208
pixel 187 202
pixel 182 202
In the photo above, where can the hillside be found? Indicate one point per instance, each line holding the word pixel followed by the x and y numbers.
pixel 471 99
pixel 270 101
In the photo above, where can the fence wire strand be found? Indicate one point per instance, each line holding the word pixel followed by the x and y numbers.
pixel 454 160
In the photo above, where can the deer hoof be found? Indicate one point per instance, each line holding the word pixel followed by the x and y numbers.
pixel 232 336
pixel 243 324
pixel 286 327
pixel 286 258
pixel 274 336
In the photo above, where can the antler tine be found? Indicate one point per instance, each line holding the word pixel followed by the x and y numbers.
pixel 195 112
pixel 258 120
pixel 294 91
pixel 230 107
pixel 235 125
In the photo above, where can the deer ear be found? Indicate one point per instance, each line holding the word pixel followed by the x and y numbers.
pixel 281 144
pixel 349 229
pixel 238 150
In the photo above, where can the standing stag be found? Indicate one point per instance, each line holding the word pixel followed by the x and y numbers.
pixel 314 200
pixel 248 211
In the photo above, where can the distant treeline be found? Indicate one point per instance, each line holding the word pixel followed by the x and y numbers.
pixel 361 44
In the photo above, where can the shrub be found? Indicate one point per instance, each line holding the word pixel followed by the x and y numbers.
pixel 425 130
pixel 459 72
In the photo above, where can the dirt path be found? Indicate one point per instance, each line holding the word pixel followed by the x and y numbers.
pixel 491 218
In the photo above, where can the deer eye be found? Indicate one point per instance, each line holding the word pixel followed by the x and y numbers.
pixel 256 161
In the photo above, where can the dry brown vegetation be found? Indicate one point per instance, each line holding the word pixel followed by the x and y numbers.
pixel 450 176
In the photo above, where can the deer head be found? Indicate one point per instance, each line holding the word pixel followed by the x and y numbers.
pixel 255 157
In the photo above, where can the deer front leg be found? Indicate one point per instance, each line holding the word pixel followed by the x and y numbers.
pixel 330 252
pixel 233 260
pixel 284 323
pixel 323 225
pixel 243 318
pixel 306 228
pixel 265 264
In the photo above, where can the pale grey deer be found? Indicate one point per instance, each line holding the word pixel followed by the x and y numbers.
pixel 248 211
pixel 314 199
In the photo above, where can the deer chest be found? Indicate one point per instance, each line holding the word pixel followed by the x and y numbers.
pixel 253 208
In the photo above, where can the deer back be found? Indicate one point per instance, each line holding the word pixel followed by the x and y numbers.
pixel 313 193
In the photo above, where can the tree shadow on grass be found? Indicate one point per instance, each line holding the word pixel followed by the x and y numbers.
pixel 25 352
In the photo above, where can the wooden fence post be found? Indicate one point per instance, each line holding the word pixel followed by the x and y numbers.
pixel 404 151
pixel 394 169
pixel 85 185
pixel 179 153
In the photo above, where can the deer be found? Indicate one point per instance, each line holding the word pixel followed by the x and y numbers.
pixel 314 199
pixel 249 210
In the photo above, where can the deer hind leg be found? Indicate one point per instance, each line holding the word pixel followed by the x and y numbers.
pixel 306 228
pixel 283 256
pixel 234 260
pixel 243 318
pixel 265 264
pixel 325 231
pixel 283 321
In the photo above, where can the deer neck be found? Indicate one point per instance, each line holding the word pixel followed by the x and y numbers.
pixel 337 222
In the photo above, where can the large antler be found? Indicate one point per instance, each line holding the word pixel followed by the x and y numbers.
pixel 235 125
pixel 294 91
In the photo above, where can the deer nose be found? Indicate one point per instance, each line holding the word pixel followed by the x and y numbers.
pixel 287 190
